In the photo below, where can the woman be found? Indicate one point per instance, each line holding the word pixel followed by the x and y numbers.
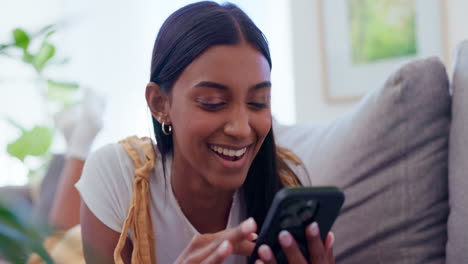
pixel 215 163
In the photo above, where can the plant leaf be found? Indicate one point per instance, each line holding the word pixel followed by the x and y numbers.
pixel 61 91
pixel 45 53
pixel 50 33
pixel 11 250
pixel 2 47
pixel 18 239
pixel 47 29
pixel 34 142
pixel 21 38
pixel 16 246
pixel 63 85
pixel 15 124
pixel 28 57
pixel 7 217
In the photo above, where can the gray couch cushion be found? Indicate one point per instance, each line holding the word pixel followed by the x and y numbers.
pixel 457 245
pixel 389 155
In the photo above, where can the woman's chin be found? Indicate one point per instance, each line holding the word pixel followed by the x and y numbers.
pixel 231 183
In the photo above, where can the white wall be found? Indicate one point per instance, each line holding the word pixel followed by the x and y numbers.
pixel 309 98
pixel 457 23
pixel 20 98
pixel 310 103
pixel 110 43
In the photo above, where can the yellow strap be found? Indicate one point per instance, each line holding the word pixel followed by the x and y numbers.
pixel 139 215
pixel 287 176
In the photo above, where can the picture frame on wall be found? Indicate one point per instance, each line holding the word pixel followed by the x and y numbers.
pixel 364 41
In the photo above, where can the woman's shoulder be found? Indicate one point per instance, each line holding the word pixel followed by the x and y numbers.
pixel 120 153
pixel 106 184
pixel 109 156
pixel 108 151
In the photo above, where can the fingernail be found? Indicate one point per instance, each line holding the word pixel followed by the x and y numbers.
pixel 248 226
pixel 285 238
pixel 259 262
pixel 223 248
pixel 313 228
pixel 332 239
pixel 264 252
pixel 254 236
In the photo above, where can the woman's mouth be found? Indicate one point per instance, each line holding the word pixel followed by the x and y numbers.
pixel 229 154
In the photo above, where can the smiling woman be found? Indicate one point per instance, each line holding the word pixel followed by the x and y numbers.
pixel 220 100
pixel 216 164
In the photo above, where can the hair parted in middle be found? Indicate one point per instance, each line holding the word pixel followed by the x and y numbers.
pixel 185 35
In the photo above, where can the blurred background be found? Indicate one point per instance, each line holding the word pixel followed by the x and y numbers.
pixel 318 47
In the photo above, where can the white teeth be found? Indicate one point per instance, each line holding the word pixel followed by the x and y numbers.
pixel 239 152
pixel 228 152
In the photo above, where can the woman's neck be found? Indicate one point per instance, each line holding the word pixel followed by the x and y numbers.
pixel 206 207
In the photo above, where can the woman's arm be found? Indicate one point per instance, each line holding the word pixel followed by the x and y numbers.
pixel 99 241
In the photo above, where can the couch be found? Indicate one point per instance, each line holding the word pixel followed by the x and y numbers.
pixel 401 157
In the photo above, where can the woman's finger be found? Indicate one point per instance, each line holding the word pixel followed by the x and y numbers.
pixel 242 232
pixel 244 248
pixel 252 237
pixel 290 248
pixel 241 237
pixel 223 251
pixel 204 246
pixel 266 255
pixel 329 247
pixel 317 252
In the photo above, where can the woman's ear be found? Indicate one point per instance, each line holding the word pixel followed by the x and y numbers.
pixel 158 102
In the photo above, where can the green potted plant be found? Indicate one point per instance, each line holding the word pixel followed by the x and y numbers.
pixel 19 237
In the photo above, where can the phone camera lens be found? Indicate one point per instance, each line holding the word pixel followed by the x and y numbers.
pixel 286 222
pixel 307 212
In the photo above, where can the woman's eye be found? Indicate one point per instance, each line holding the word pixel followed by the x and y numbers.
pixel 212 106
pixel 258 105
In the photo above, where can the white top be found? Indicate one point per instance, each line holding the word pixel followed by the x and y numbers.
pixel 106 186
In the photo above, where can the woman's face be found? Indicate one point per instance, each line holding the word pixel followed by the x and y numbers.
pixel 220 112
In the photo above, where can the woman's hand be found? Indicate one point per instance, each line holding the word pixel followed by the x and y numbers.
pixel 215 248
pixel 318 252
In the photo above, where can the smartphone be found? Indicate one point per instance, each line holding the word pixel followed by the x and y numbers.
pixel 293 209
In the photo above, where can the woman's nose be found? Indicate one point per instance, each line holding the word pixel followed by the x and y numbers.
pixel 238 124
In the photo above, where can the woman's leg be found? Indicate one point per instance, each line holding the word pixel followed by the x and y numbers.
pixel 79 128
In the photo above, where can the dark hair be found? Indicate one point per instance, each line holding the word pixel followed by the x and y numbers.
pixel 185 35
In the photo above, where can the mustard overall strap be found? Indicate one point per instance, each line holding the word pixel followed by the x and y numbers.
pixel 139 215
pixel 287 176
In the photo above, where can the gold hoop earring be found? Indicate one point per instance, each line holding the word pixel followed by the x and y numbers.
pixel 163 128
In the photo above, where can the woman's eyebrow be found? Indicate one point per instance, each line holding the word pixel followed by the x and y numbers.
pixel 222 87
pixel 218 86
pixel 266 84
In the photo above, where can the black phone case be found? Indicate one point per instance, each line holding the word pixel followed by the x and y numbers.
pixel 293 209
